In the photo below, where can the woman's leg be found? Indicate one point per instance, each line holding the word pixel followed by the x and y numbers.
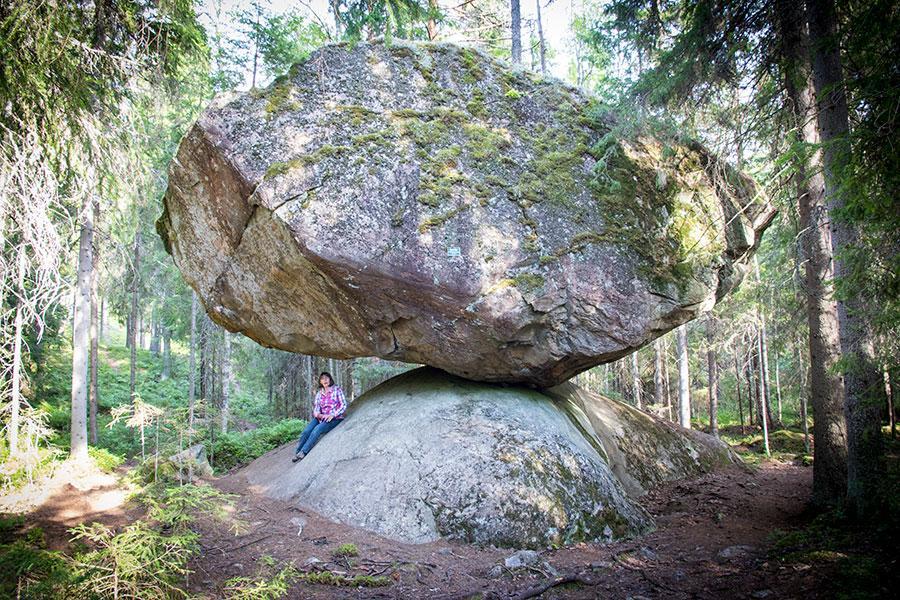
pixel 320 430
pixel 306 433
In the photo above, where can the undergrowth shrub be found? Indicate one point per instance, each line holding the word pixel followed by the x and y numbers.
pixel 267 585
pixel 140 562
pixel 235 449
pixel 105 460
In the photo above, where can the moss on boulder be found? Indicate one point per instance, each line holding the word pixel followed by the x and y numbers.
pixel 404 182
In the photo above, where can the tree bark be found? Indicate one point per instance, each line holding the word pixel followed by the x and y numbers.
pixel 713 370
pixel 889 394
pixel 803 389
pixel 135 279
pixel 667 386
pixel 778 387
pixel 81 341
pixel 765 417
pixel 93 390
pixel 541 42
pixel 154 332
pixel 658 382
pixel 684 385
pixel 140 328
pixel 737 386
pixel 192 378
pixel 862 399
pixel 751 397
pixel 166 353
pixel 226 381
pixel 516 31
pixel 636 380
pixel 432 26
pixel 826 393
pixel 16 392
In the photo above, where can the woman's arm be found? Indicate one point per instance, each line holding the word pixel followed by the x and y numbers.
pixel 342 402
pixel 337 406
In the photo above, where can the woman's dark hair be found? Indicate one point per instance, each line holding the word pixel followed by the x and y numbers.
pixel 325 374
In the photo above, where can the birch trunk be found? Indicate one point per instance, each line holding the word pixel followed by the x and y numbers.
pixel 737 386
pixel 636 380
pixel 226 381
pixel 541 42
pixel 16 391
pixel 713 370
pixel 135 278
pixel 81 341
pixel 93 390
pixel 684 386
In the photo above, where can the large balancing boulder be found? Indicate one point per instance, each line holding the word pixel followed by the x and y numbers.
pixel 430 204
pixel 427 455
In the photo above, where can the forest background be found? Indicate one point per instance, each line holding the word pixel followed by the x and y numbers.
pixel 104 350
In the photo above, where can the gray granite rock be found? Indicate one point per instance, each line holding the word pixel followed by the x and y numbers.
pixel 427 455
pixel 430 204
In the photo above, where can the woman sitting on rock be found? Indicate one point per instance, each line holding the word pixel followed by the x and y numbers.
pixel 328 411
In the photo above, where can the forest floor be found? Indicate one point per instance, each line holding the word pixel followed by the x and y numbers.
pixel 737 533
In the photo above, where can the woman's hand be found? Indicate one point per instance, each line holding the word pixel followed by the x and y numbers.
pixel 329 418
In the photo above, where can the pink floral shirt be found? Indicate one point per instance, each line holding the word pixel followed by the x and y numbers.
pixel 331 403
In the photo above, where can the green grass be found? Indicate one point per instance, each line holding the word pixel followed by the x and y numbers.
pixel 346 550
pixel 118 442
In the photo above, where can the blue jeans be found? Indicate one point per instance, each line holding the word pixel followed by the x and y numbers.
pixel 313 432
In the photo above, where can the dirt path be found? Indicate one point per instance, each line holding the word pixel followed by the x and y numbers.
pixel 76 493
pixel 711 542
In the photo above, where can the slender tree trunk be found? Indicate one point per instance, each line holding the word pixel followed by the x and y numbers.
pixel 81 341
pixel 684 385
pixel 778 388
pixel 751 397
pixel 140 330
pixel 889 394
pixel 255 46
pixel 668 387
pixel 135 278
pixel 826 393
pixel 765 418
pixel 516 30
pixel 713 370
pixel 102 319
pixel 737 386
pixel 636 380
pixel 16 395
pixel 865 469
pixel 335 12
pixel 658 382
pixel 541 42
pixel 192 379
pixel 226 381
pixel 93 391
pixel 432 26
pixel 271 392
pixel 154 332
pixel 802 395
pixel 166 353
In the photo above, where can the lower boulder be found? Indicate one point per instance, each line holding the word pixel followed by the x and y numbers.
pixel 427 455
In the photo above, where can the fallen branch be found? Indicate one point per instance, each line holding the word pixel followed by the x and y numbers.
pixel 561 580
pixel 250 543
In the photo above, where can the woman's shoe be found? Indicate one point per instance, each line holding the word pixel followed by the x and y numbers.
pixel 298 456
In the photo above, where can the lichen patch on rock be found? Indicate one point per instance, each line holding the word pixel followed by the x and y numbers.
pixel 433 205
